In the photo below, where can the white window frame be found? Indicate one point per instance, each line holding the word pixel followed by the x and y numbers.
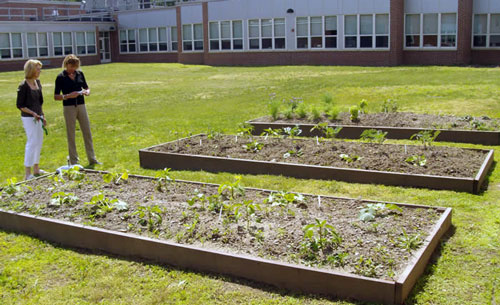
pixel 193 41
pixel 273 36
pixel 86 44
pixel 11 48
pixel 488 33
pixel 127 43
pixel 373 33
pixel 439 34
pixel 63 44
pixel 37 44
pixel 323 34
pixel 388 34
pixel 219 40
pixel 173 29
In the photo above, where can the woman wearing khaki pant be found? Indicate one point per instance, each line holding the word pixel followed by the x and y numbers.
pixel 72 83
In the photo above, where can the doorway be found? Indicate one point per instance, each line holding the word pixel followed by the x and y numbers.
pixel 104 47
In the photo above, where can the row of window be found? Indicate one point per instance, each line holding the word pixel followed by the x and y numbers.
pixel 431 30
pixel 37 44
pixel 486 30
pixel 149 40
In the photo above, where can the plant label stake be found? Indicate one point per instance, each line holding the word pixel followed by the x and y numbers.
pixel 220 213
pixel 236 139
pixel 317 141
pixel 406 152
pixel 201 143
pixel 319 201
pixel 265 138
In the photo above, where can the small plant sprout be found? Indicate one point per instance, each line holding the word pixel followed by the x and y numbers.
pixel 73 173
pixel 389 106
pixel 363 106
pixel 372 135
pixel 198 197
pixel 230 190
pixel 250 208
pixel 426 137
pixel 315 113
pixel 253 146
pixel 100 205
pixel 274 107
pixel 328 132
pixel 371 210
pixel 114 177
pixel 150 217
pixel 417 160
pixel 283 200
pixel 245 130
pixel 292 152
pixel 163 178
pixel 354 111
pixel 350 159
pixel 61 198
pixel 13 189
pixel 294 103
pixel 301 111
pixel 409 242
pixel 271 132
pixel 319 237
pixel 291 131
pixel 333 113
pixel 213 134
pixel 327 98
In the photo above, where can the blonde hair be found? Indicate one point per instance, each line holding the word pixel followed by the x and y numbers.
pixel 71 59
pixel 30 68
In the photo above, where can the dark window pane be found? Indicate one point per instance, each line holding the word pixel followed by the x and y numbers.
pixel 316 42
pixel 226 45
pixel 44 51
pixel 448 40
pixel 174 46
pixel 32 52
pixel 412 41
pixel 80 50
pixel 302 43
pixel 198 45
pixel 366 41
pixel 267 43
pixel 91 50
pixel 187 45
pixel 163 47
pixel 351 42
pixel 238 44
pixel 430 40
pixel 214 45
pixel 254 43
pixel 279 43
pixel 330 32
pixel 495 41
pixel 58 51
pixel 131 47
pixel 68 50
pixel 382 41
pixel 17 53
pixel 143 47
pixel 331 42
pixel 480 41
pixel 153 47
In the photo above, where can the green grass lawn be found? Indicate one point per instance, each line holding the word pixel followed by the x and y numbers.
pixel 133 106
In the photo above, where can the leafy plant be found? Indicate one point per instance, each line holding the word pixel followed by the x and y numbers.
pixel 293 152
pixel 213 134
pixel 371 210
pixel 349 159
pixel 115 177
pixel 73 173
pixel 315 113
pixel 288 113
pixel 328 132
pixel 426 137
pixel 291 131
pixel 271 132
pixel 61 198
pixel 366 267
pixel 417 160
pixel 372 135
pixel 293 103
pixel 478 125
pixel 410 242
pixel 363 105
pixel 163 178
pixel 301 111
pixel 229 190
pixel 354 111
pixel 150 217
pixel 274 108
pixel 249 207
pixel 100 205
pixel 318 238
pixel 333 113
pixel 327 98
pixel 13 189
pixel 389 106
pixel 245 129
pixel 253 146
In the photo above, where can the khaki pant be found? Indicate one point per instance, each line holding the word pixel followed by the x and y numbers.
pixel 71 114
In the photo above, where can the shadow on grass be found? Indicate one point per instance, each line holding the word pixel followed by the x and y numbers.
pixel 487 180
pixel 429 269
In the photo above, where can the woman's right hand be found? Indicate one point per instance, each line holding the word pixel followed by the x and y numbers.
pixel 72 94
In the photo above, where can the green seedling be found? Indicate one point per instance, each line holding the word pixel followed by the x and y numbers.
pixel 389 106
pixel 13 189
pixel 100 205
pixel 293 103
pixel 372 135
pixel 245 130
pixel 150 217
pixel 274 107
pixel 426 137
pixel 371 210
pixel 363 105
pixel 327 98
pixel 198 197
pixel 249 208
pixel 354 111
pixel 115 178
pixel 271 132
pixel 350 159
pixel 302 111
pixel 62 198
pixel 333 113
pixel 253 146
pixel 417 160
pixel 230 190
pixel 213 134
pixel 291 131
pixel 409 242
pixel 319 237
pixel 315 114
pixel 292 152
pixel 73 174
pixel 328 132
pixel 163 179
pixel 288 113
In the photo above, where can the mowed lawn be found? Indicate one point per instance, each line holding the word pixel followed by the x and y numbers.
pixel 133 106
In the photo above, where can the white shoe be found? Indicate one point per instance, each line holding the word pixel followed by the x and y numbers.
pixel 29 177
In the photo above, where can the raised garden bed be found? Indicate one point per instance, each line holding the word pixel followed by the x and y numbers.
pixel 398 125
pixel 447 168
pixel 370 251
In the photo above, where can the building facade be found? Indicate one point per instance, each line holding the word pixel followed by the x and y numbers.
pixel 253 32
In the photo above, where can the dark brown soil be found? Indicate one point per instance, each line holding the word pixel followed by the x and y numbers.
pixel 401 119
pixel 376 249
pixel 441 161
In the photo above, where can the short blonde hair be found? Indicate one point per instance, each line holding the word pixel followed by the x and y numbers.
pixel 30 68
pixel 71 59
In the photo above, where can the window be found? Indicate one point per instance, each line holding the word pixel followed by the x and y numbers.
pixel 351 31
pixel 127 41
pixel 85 43
pixel 366 31
pixel 63 43
pixel 226 35
pixel 173 35
pixel 153 39
pixel 192 37
pixel 486 30
pixel 11 45
pixel 431 30
pixel 37 45
pixel 316 32
pixel 267 34
pixel 382 31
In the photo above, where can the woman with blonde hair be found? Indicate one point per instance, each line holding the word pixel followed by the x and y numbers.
pixel 30 101
pixel 73 85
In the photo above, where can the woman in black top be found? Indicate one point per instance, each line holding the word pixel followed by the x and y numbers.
pixel 30 101
pixel 73 85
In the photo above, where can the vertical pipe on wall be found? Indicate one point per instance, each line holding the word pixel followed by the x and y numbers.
pixel 204 8
pixel 397 13
pixel 464 32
